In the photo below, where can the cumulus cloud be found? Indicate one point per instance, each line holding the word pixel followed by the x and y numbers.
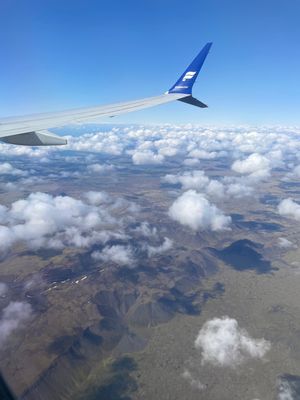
pixel 239 190
pixel 168 151
pixel 21 151
pixel 285 243
pixel 122 255
pixel 289 208
pixel 288 387
pixel 13 316
pixel 194 382
pixel 42 220
pixel 100 168
pixel 145 229
pixel 147 157
pixel 294 174
pixel 97 198
pixel 223 343
pixel 108 142
pixel 285 391
pixel 3 289
pixel 255 166
pixel 188 180
pixel 215 189
pixel 196 179
pixel 191 162
pixel 165 246
pixel 7 169
pixel 193 142
pixel 61 174
pixel 276 144
pixel 192 209
pixel 202 154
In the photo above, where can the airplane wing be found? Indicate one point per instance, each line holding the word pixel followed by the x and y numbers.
pixel 33 130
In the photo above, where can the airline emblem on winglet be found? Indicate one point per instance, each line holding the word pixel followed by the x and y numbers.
pixel 188 75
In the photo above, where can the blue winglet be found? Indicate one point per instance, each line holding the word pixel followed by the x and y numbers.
pixel 186 81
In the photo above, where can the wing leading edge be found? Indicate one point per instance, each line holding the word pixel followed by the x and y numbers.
pixel 33 130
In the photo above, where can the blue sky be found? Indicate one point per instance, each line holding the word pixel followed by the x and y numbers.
pixel 58 54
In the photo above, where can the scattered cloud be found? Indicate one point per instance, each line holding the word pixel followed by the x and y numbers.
pixel 97 198
pixel 256 166
pixel 43 220
pixel 13 316
pixel 202 154
pixel 198 180
pixel 194 382
pixel 266 146
pixel 188 180
pixel 147 157
pixel 3 289
pixel 239 190
pixel 289 208
pixel 145 229
pixel 223 343
pixel 7 169
pixel 122 255
pixel 192 209
pixel 100 168
pixel 285 391
pixel 191 162
pixel 294 174
pixel 165 246
pixel 107 142
pixel 285 243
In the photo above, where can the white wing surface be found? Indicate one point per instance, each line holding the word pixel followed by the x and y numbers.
pixel 32 130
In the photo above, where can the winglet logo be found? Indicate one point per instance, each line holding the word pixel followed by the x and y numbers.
pixel 188 75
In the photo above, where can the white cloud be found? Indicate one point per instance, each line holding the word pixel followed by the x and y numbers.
pixel 147 157
pixel 285 391
pixel 42 220
pixel 97 198
pixel 191 162
pixel 3 289
pixel 188 180
pixel 285 243
pixel 278 145
pixel 255 166
pixel 145 229
pixel 108 142
pixel 239 190
pixel 202 154
pixel 295 173
pixel 21 151
pixel 289 208
pixel 196 179
pixel 195 211
pixel 165 246
pixel 7 169
pixel 100 168
pixel 7 238
pixel 168 151
pixel 215 189
pixel 13 316
pixel 194 142
pixel 61 174
pixel 118 254
pixel 194 382
pixel 223 343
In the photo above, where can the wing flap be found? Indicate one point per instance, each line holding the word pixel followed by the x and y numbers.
pixel 40 138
